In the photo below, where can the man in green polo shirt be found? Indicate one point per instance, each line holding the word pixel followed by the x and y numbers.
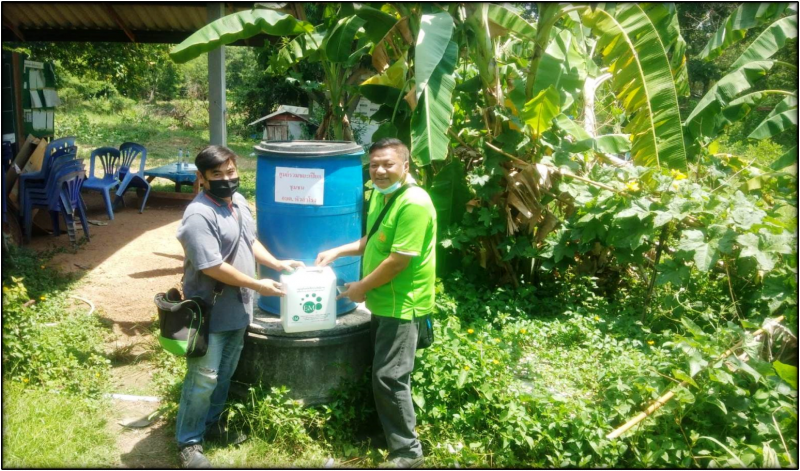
pixel 398 284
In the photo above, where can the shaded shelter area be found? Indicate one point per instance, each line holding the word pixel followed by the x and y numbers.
pixel 138 22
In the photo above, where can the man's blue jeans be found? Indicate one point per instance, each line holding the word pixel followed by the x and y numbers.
pixel 206 385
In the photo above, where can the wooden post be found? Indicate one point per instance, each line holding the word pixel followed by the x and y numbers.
pixel 217 113
pixel 16 72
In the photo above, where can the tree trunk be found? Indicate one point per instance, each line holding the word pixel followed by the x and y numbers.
pixel 347 130
pixel 322 131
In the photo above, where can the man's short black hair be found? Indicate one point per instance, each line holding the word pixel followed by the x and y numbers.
pixel 392 142
pixel 212 157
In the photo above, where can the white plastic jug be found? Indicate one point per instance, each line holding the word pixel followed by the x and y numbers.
pixel 310 300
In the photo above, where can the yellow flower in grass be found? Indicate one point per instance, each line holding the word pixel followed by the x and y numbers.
pixel 470 331
pixel 650 342
pixel 42 297
pixel 496 340
pixel 597 318
pixel 495 362
pixel 523 331
pixel 677 175
pixel 632 186
pixel 25 380
pixel 466 367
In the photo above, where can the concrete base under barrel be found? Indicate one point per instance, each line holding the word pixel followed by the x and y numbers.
pixel 309 364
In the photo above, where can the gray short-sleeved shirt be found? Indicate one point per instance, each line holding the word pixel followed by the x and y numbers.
pixel 208 232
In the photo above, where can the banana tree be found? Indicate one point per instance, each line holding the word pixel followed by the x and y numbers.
pixel 339 45
pixel 726 102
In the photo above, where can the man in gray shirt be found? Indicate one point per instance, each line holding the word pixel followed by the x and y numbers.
pixel 208 234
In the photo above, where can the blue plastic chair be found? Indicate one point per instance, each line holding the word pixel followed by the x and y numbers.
pixel 109 158
pixel 70 201
pixel 36 193
pixel 48 197
pixel 54 148
pixel 38 188
pixel 129 151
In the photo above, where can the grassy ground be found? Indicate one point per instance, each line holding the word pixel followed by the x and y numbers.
pixel 43 430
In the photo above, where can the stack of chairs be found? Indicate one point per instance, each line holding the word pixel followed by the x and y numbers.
pixel 56 188
pixel 54 148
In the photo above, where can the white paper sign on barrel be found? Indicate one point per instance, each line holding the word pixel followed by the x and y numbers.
pixel 300 185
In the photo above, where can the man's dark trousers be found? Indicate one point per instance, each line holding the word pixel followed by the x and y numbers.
pixel 395 342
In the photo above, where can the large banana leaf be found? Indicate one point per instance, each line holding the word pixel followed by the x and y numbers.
pixel 748 15
pixel 394 76
pixel 789 159
pixel 703 118
pixel 665 19
pixel 787 103
pixel 742 106
pixel 482 52
pixel 385 88
pixel 431 118
pixel 775 125
pixel 377 23
pixel 449 194
pixel 394 44
pixel 540 111
pixel 768 42
pixel 643 82
pixel 237 26
pixel 306 46
pixel 583 141
pixel 435 31
pixel 563 67
pixel 503 20
pixel 339 44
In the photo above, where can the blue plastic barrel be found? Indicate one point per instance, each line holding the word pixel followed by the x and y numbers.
pixel 309 198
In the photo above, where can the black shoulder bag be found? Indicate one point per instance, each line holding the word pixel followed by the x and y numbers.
pixel 183 324
pixel 424 323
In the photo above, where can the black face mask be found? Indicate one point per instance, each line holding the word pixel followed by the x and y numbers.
pixel 223 188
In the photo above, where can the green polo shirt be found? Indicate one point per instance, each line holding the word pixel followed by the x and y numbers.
pixel 409 228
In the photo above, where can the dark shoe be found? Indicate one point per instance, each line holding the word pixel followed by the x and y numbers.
pixel 222 435
pixel 192 458
pixel 403 462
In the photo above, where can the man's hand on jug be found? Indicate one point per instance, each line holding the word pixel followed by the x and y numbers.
pixel 326 258
pixel 355 292
pixel 267 287
pixel 289 265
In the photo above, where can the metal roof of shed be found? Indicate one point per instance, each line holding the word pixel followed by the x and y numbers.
pixel 299 111
pixel 143 22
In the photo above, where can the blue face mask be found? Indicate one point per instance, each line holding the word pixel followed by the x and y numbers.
pixel 391 188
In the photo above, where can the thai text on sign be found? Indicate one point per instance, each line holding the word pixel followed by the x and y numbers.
pixel 299 185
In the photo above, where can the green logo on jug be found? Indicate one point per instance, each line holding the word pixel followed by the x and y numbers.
pixel 296 318
pixel 309 305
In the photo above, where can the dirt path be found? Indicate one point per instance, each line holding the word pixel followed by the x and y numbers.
pixel 125 264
